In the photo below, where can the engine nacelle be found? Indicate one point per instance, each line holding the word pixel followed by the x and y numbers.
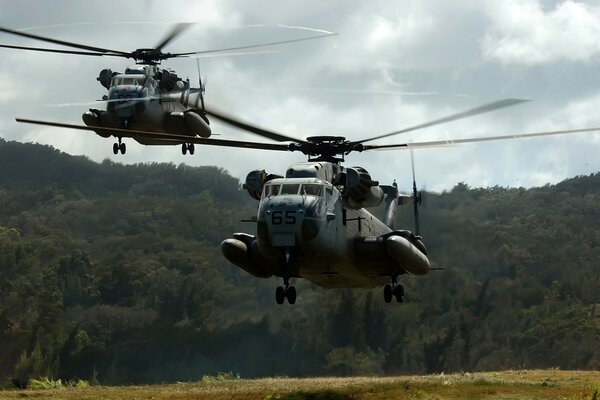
pixel 255 181
pixel 168 79
pixel 197 124
pixel 360 191
pixel 105 77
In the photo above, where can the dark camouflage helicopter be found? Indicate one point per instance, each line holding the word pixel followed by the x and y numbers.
pixel 314 223
pixel 146 97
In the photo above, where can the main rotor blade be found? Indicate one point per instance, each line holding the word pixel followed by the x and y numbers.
pixel 177 30
pixel 412 167
pixel 229 54
pixel 64 43
pixel 79 53
pixel 448 142
pixel 93 102
pixel 254 46
pixel 251 128
pixel 117 132
pixel 124 102
pixel 469 113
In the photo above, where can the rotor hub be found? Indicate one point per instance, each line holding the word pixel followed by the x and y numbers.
pixel 328 148
pixel 149 56
pixel 326 139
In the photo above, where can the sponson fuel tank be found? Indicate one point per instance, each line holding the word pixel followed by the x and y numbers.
pixel 402 248
pixel 407 255
pixel 186 123
pixel 241 250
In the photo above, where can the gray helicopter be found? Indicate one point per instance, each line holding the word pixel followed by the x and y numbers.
pixel 314 223
pixel 146 97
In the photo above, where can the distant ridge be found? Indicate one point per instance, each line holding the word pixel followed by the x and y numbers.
pixel 34 166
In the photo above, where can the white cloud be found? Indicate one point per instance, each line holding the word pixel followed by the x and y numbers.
pixel 522 32
pixel 384 48
pixel 386 33
pixel 10 90
pixel 583 112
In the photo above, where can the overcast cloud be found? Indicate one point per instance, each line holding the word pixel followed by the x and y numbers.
pixel 393 65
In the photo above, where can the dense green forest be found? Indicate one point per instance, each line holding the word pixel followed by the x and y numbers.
pixel 113 274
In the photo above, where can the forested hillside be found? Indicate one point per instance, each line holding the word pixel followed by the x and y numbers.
pixel 113 274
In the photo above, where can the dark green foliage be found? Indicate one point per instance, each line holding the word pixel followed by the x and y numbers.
pixel 114 273
pixel 318 395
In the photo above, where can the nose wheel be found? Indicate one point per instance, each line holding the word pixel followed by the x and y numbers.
pixel 393 289
pixel 119 147
pixel 286 291
pixel 188 147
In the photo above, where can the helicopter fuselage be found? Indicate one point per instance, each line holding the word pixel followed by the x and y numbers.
pixel 304 228
pixel 149 100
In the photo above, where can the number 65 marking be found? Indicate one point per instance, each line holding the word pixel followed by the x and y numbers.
pixel 277 217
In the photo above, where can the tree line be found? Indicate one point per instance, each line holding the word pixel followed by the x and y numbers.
pixel 112 273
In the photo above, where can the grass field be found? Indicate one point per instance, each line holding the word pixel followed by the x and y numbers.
pixel 534 384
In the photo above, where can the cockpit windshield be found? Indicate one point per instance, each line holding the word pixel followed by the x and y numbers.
pixel 128 80
pixel 289 188
pixel 306 189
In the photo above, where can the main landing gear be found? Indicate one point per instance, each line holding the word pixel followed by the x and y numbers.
pixel 185 147
pixel 286 291
pixel 393 289
pixel 119 147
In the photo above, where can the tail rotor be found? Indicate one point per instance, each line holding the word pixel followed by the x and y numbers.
pixel 416 195
pixel 202 85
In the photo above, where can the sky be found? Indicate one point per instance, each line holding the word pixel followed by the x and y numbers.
pixel 394 64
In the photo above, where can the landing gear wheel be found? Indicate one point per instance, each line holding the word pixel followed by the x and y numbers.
pixel 116 148
pixel 122 148
pixel 279 294
pixel 399 293
pixel 291 294
pixel 387 293
pixel 191 148
pixel 184 148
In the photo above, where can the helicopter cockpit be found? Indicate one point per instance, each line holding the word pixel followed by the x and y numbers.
pixel 123 88
pixel 128 80
pixel 292 210
pixel 306 196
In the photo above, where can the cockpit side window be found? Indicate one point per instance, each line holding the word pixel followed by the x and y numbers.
pixel 312 189
pixel 271 190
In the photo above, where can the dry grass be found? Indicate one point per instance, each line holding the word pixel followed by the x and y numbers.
pixel 538 384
